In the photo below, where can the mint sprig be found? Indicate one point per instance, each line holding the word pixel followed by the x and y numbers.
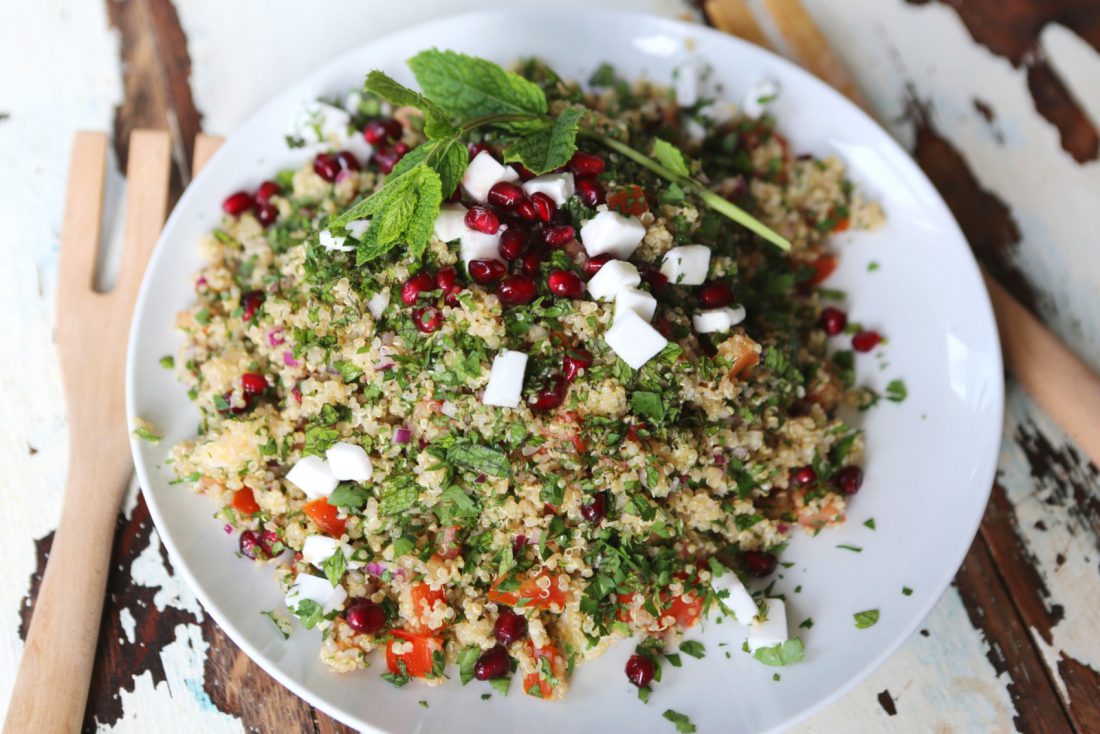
pixel 462 94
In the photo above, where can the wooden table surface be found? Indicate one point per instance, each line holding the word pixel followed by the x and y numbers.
pixel 997 99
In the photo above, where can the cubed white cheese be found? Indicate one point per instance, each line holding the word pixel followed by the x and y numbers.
pixel 316 589
pixel 756 101
pixel 611 232
pixel 636 300
pixel 773 630
pixel 330 241
pixel 613 277
pixel 321 122
pixel 474 245
pixel 686 265
pixel 349 462
pixel 718 319
pixel 378 303
pixel 450 223
pixel 558 186
pixel 358 146
pixel 483 172
pixel 352 101
pixel 313 476
pixel 739 600
pixel 505 379
pixel 317 549
pixel 635 341
pixel 357 227
pixel 686 83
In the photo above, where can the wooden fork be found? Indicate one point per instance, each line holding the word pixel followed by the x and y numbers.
pixel 1066 388
pixel 51 689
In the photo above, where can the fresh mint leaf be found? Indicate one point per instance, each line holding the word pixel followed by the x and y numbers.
pixel 693 648
pixel 896 391
pixel 484 459
pixel 669 156
pixel 350 495
pixel 467 87
pixel 320 439
pixel 682 722
pixel 791 651
pixel 466 660
pixel 551 146
pixel 448 157
pixel 335 566
pixel 309 612
pixel 648 404
pixel 866 618
pixel 500 685
pixel 398 497
pixel 436 124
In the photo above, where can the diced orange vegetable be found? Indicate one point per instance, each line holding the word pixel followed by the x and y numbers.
pixel 324 516
pixel 530 592
pixel 424 598
pixel 418 662
pixel 538 680
pixel 823 266
pixel 578 444
pixel 629 200
pixel 686 609
pixel 244 501
pixel 842 225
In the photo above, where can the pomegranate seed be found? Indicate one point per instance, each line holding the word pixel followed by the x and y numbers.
pixel 849 479
pixel 506 194
pixel 590 190
pixel 446 280
pixel 382 130
pixel 268 539
pixel 526 210
pixel 348 161
pixel 833 320
pixel 559 235
pixel 552 394
pixel 486 271
pixel 388 156
pixel 482 219
pixel 640 670
pixel 252 547
pixel 253 383
pixel 532 262
pixel 509 627
pixel 266 213
pixel 416 285
pixel 238 203
pixel 803 476
pixel 251 302
pixel 655 279
pixel 326 166
pixel 517 290
pixel 586 164
pixel 865 341
pixel 365 616
pixel 427 319
pixel 715 294
pixel 544 206
pixel 565 283
pixel 493 663
pixel 476 148
pixel 759 563
pixel 593 264
pixel 575 360
pixel 513 243
pixel 525 173
pixel 596 510
pixel 267 190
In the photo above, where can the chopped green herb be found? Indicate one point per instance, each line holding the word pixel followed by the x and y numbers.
pixel 866 618
pixel 853 548
pixel 693 648
pixel 869 523
pixel 682 722
pixel 146 435
pixel 905 590
pixel 168 361
pixel 785 653
pixel 896 391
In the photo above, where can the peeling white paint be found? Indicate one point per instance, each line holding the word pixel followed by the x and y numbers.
pixel 129 624
pixel 149 570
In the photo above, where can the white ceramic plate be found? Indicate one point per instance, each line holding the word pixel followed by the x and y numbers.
pixel 930 459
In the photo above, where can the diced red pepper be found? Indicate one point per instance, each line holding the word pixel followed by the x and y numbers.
pixel 628 200
pixel 324 516
pixel 530 592
pixel 424 598
pixel 244 501
pixel 419 661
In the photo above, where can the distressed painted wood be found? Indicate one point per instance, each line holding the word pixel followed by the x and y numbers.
pixel 996 106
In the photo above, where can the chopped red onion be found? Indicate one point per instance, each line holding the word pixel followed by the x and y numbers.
pixel 228 529
pixel 289 361
pixel 402 435
pixel 719 459
pixel 374 568
pixel 275 337
pixel 782 527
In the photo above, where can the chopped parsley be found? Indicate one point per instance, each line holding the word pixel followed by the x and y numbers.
pixel 682 722
pixel 693 648
pixel 896 391
pixel 853 548
pixel 869 523
pixel 146 435
pixel 866 618
pixel 785 653
pixel 906 591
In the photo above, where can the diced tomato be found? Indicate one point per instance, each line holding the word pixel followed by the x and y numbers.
pixel 447 545
pixel 742 353
pixel 629 200
pixel 578 444
pixel 842 225
pixel 546 686
pixel 530 592
pixel 823 266
pixel 244 501
pixel 324 516
pixel 420 660
pixel 424 598
pixel 623 614
pixel 686 609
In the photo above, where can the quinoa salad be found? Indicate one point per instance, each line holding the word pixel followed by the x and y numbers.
pixel 516 368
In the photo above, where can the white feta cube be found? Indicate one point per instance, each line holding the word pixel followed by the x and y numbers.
pixel 357 228
pixel 635 341
pixel 686 265
pixel 450 223
pixel 483 173
pixel 612 233
pixel 759 97
pixel 315 589
pixel 349 462
pixel 685 79
pixel 317 549
pixel 474 245
pixel 773 630
pixel 378 303
pixel 558 186
pixel 636 300
pixel 320 122
pixel 334 243
pixel 358 146
pixel 313 476
pixel 738 599
pixel 613 277
pixel 505 379
pixel 718 319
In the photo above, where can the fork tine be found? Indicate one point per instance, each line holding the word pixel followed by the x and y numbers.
pixel 80 230
pixel 146 204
